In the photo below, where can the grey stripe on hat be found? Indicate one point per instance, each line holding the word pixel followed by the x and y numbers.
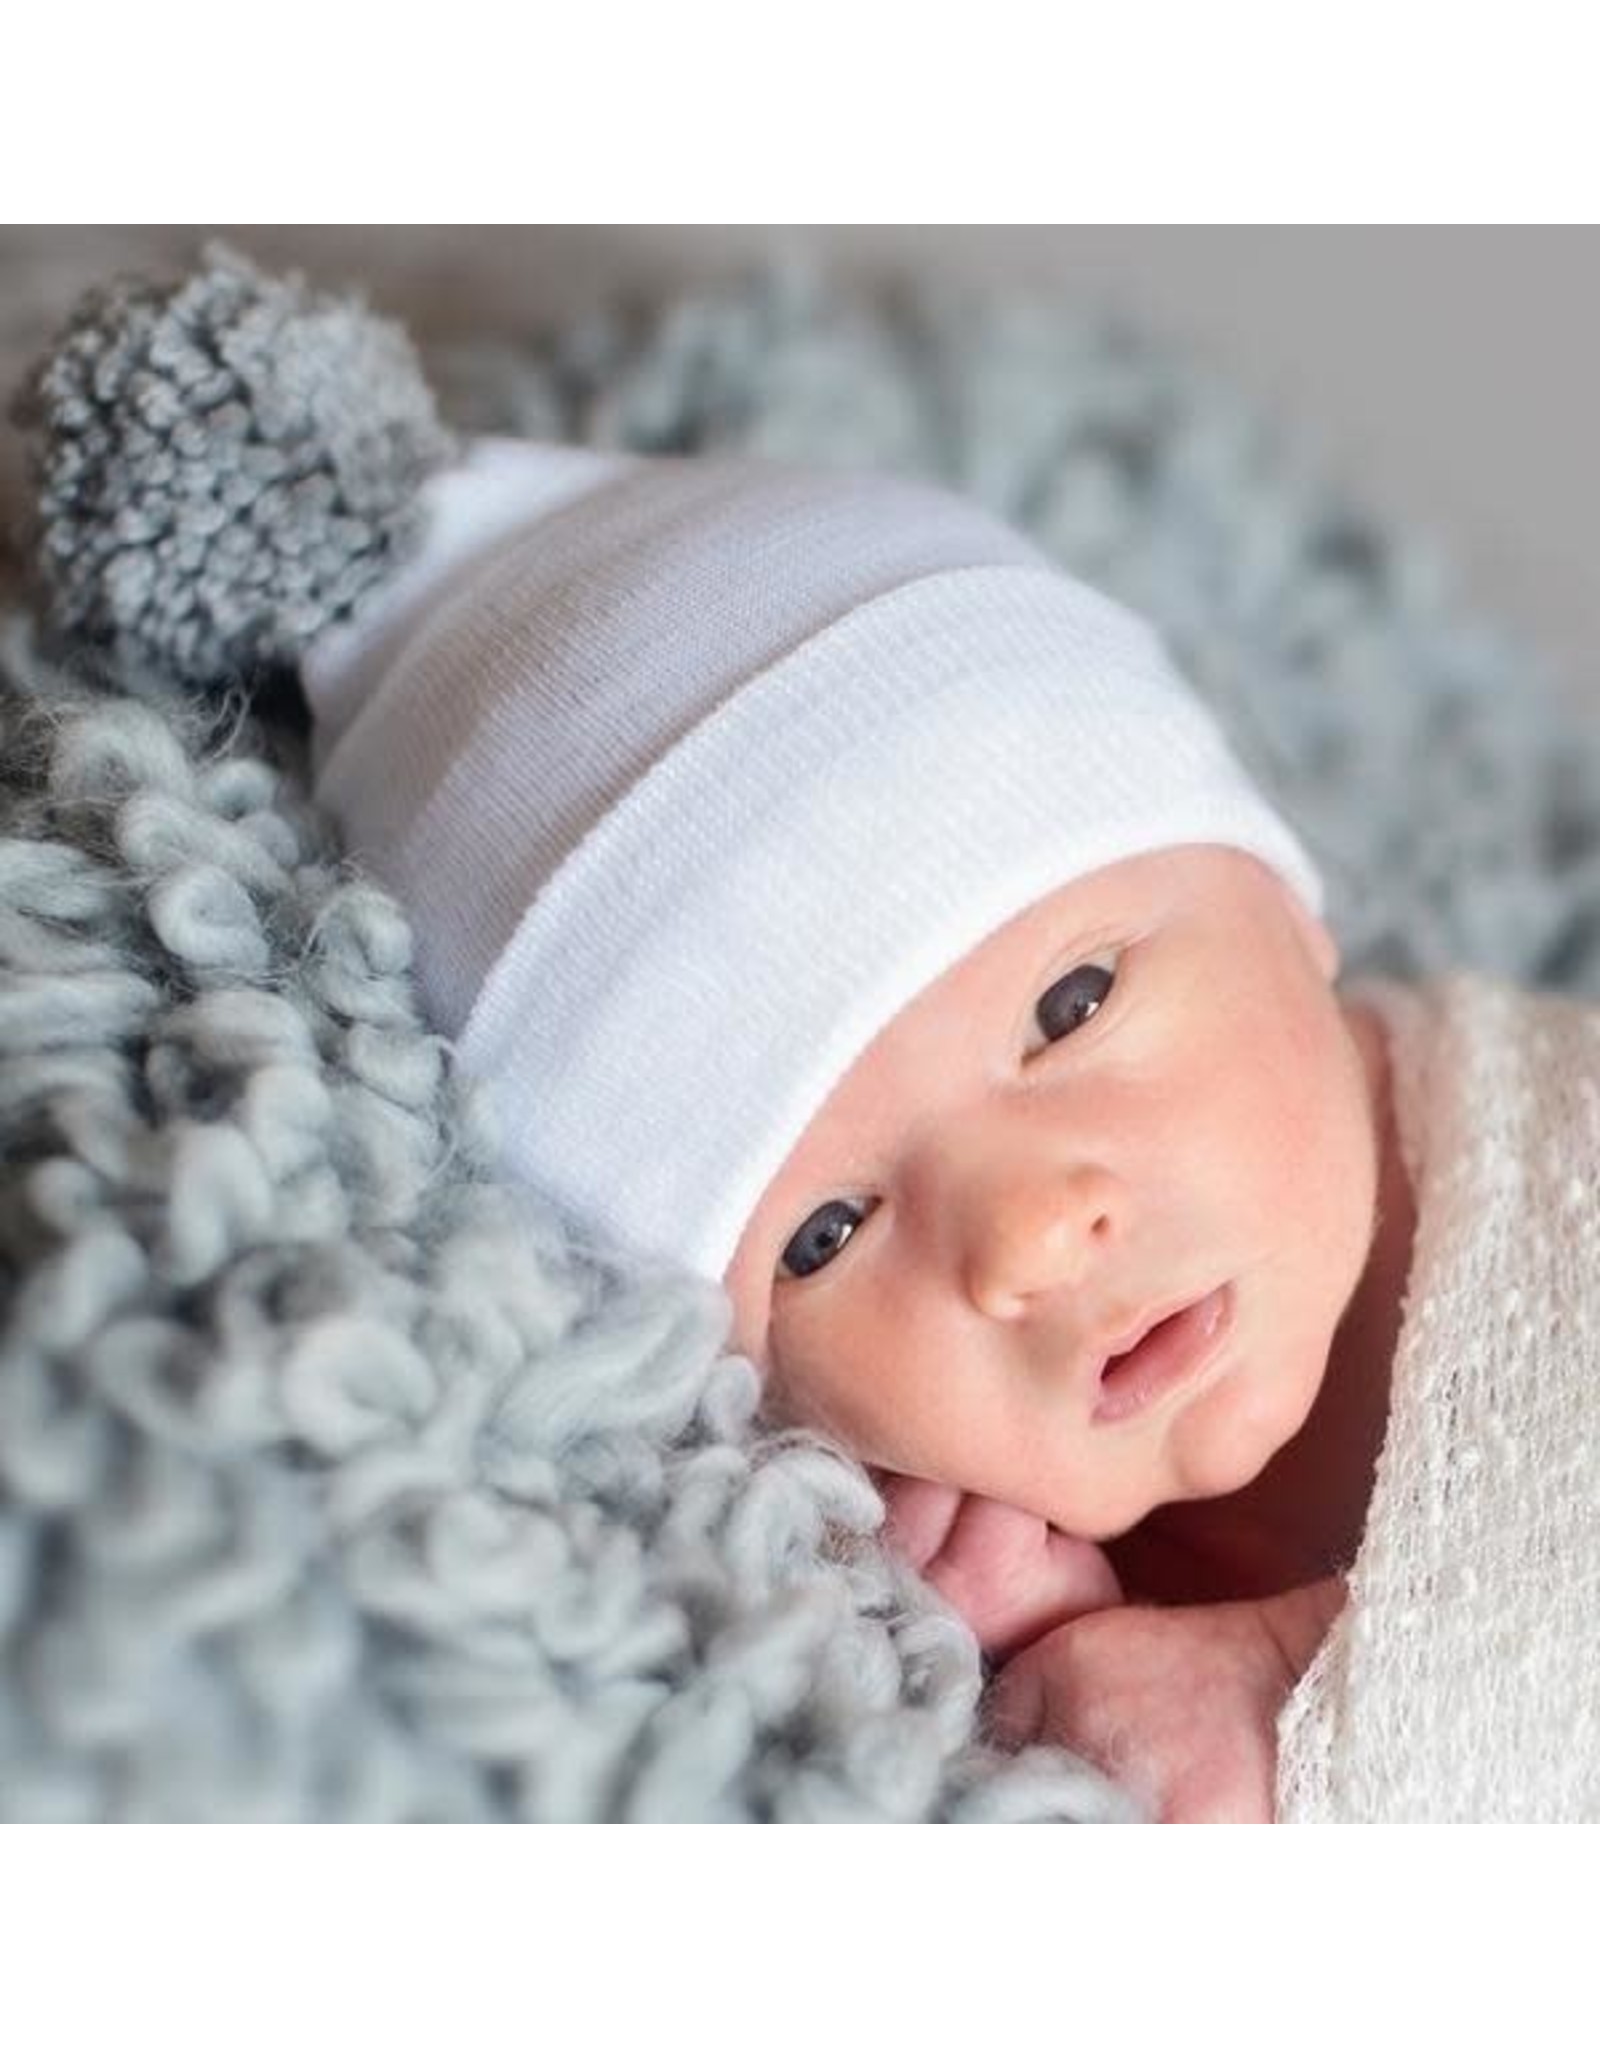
pixel 558 669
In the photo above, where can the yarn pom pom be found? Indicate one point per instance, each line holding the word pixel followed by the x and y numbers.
pixel 223 467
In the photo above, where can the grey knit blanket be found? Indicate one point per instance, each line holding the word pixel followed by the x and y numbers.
pixel 339 1480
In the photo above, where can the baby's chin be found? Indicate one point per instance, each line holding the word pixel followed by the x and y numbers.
pixel 1108 1524
pixel 1201 1466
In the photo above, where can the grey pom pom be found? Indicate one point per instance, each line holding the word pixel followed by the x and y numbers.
pixel 223 467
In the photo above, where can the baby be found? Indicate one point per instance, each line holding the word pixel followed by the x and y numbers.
pixel 1106 1234
pixel 849 905
pixel 842 903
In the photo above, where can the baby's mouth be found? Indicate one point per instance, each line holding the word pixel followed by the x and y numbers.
pixel 1168 1355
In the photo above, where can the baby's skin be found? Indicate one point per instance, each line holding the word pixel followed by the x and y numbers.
pixel 1141 1095
pixel 1180 1703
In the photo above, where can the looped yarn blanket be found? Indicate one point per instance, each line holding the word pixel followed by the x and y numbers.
pixel 339 1480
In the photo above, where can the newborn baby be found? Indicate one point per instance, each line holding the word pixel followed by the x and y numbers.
pixel 1104 1237
pixel 842 903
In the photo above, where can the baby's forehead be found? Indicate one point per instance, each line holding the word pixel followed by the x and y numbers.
pixel 1100 907
pixel 1081 908
pixel 1172 875
pixel 935 1025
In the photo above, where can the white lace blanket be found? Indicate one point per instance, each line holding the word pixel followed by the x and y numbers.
pixel 1462 1681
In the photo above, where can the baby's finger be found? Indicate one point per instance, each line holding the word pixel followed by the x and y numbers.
pixel 919 1516
pixel 1014 1577
pixel 1014 1705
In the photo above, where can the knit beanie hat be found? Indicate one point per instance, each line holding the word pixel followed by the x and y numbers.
pixel 690 772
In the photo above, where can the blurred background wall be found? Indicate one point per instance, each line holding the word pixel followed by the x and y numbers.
pixel 1445 373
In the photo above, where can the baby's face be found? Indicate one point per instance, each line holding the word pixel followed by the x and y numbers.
pixel 1140 1091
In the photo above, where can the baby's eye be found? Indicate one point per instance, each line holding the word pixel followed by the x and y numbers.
pixel 818 1240
pixel 1073 1000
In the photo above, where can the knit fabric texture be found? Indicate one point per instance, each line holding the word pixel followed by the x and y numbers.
pixel 201 550
pixel 334 1481
pixel 1460 1681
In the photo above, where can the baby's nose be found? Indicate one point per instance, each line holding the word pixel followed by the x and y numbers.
pixel 1039 1232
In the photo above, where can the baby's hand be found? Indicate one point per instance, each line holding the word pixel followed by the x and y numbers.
pixel 1179 1703
pixel 1009 1574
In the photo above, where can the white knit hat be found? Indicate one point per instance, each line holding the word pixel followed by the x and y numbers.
pixel 691 772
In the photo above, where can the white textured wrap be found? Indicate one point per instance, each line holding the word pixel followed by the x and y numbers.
pixel 1462 1680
